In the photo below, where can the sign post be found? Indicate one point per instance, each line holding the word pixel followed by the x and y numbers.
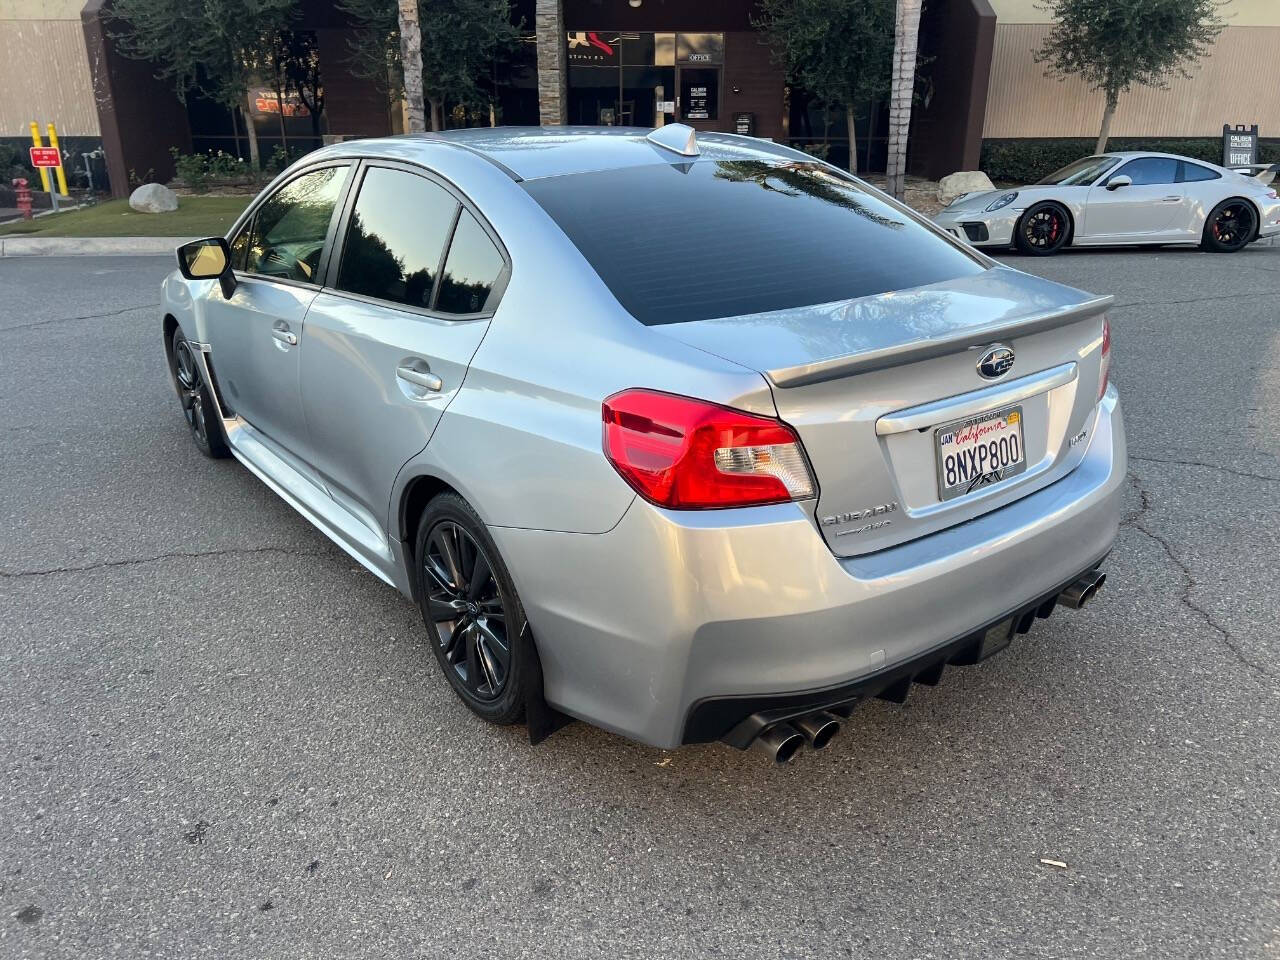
pixel 1239 145
pixel 43 159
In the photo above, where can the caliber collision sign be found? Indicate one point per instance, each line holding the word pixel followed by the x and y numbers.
pixel 1239 145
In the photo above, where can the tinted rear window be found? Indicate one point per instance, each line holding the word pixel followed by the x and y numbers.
pixel 720 238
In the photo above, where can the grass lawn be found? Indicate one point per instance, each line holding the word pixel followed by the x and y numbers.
pixel 195 217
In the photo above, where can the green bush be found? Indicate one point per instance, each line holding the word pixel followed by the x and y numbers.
pixel 1026 161
pixel 13 163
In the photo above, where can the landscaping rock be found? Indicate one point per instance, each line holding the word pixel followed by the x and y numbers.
pixel 966 181
pixel 153 198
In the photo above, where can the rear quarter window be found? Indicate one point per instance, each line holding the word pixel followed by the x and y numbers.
pixel 716 238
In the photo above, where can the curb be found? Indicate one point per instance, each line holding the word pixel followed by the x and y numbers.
pixel 89 246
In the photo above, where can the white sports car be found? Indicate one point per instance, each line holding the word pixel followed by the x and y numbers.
pixel 1122 198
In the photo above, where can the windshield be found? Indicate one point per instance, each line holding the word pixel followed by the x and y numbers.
pixel 676 242
pixel 1082 171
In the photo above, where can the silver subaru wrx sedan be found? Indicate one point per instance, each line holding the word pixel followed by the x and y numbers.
pixel 693 438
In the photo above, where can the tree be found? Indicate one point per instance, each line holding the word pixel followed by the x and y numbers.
pixel 215 48
pixel 411 66
pixel 838 51
pixel 302 72
pixel 906 37
pixel 1113 46
pixel 461 41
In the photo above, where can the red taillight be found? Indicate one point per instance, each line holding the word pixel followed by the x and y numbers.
pixel 1104 374
pixel 690 454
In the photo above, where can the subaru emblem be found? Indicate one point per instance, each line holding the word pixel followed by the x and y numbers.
pixel 996 361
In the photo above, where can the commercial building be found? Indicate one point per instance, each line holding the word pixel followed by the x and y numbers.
pixel 640 62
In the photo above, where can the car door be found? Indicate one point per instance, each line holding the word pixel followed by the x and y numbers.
pixel 412 289
pixel 1203 189
pixel 256 334
pixel 1145 209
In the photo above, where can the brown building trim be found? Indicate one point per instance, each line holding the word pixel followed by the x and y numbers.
pixel 956 39
pixel 140 117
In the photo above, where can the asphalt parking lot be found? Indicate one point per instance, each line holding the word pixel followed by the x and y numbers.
pixel 219 737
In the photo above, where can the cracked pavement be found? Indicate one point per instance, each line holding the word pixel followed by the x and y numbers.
pixel 222 738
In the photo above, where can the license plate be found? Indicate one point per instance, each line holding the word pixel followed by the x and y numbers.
pixel 978 452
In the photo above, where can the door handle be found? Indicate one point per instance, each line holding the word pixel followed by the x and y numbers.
pixel 419 374
pixel 280 330
pixel 1172 199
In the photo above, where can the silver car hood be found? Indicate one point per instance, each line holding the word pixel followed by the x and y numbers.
pixel 810 344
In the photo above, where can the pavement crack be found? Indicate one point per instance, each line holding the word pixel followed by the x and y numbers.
pixel 1210 466
pixel 87 316
pixel 1135 520
pixel 1171 303
pixel 176 555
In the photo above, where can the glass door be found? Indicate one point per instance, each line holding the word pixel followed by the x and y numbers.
pixel 700 93
pixel 699 57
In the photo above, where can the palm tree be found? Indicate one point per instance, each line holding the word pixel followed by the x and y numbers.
pixel 906 34
pixel 411 57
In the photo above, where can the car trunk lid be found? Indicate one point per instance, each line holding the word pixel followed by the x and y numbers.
pixel 868 384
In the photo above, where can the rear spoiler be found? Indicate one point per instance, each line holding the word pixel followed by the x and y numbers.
pixel 1264 173
pixel 803 374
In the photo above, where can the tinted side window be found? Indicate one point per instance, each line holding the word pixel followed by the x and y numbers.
pixel 396 237
pixel 1150 170
pixel 471 270
pixel 289 229
pixel 1194 173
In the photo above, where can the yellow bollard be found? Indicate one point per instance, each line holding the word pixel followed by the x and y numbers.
pixel 62 176
pixel 37 142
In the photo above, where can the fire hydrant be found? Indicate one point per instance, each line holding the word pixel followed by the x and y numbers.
pixel 24 197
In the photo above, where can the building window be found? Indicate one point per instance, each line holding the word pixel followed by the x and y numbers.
pixel 635 79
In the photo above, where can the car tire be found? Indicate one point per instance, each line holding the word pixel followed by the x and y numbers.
pixel 198 406
pixel 473 615
pixel 1043 230
pixel 1230 226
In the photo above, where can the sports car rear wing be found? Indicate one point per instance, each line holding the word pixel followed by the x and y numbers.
pixel 1264 173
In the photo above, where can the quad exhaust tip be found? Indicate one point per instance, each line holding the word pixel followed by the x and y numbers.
pixel 1083 590
pixel 819 728
pixel 782 742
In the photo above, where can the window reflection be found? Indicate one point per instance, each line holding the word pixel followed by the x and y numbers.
pixel 471 270
pixel 678 242
pixel 396 237
pixel 289 229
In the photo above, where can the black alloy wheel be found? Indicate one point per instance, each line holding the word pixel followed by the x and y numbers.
pixel 197 404
pixel 1230 226
pixel 466 607
pixel 1043 229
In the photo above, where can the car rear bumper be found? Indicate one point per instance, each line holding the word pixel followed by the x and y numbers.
pixel 1269 221
pixel 640 627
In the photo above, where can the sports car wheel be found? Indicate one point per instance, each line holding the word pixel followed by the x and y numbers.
pixel 472 612
pixel 197 403
pixel 1043 229
pixel 1230 226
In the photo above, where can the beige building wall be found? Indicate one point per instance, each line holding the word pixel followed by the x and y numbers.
pixel 1236 83
pixel 44 69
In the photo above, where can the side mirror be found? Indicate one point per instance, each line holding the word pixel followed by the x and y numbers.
pixel 1124 180
pixel 208 259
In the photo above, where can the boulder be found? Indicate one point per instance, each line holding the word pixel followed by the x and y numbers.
pixel 153 198
pixel 966 181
